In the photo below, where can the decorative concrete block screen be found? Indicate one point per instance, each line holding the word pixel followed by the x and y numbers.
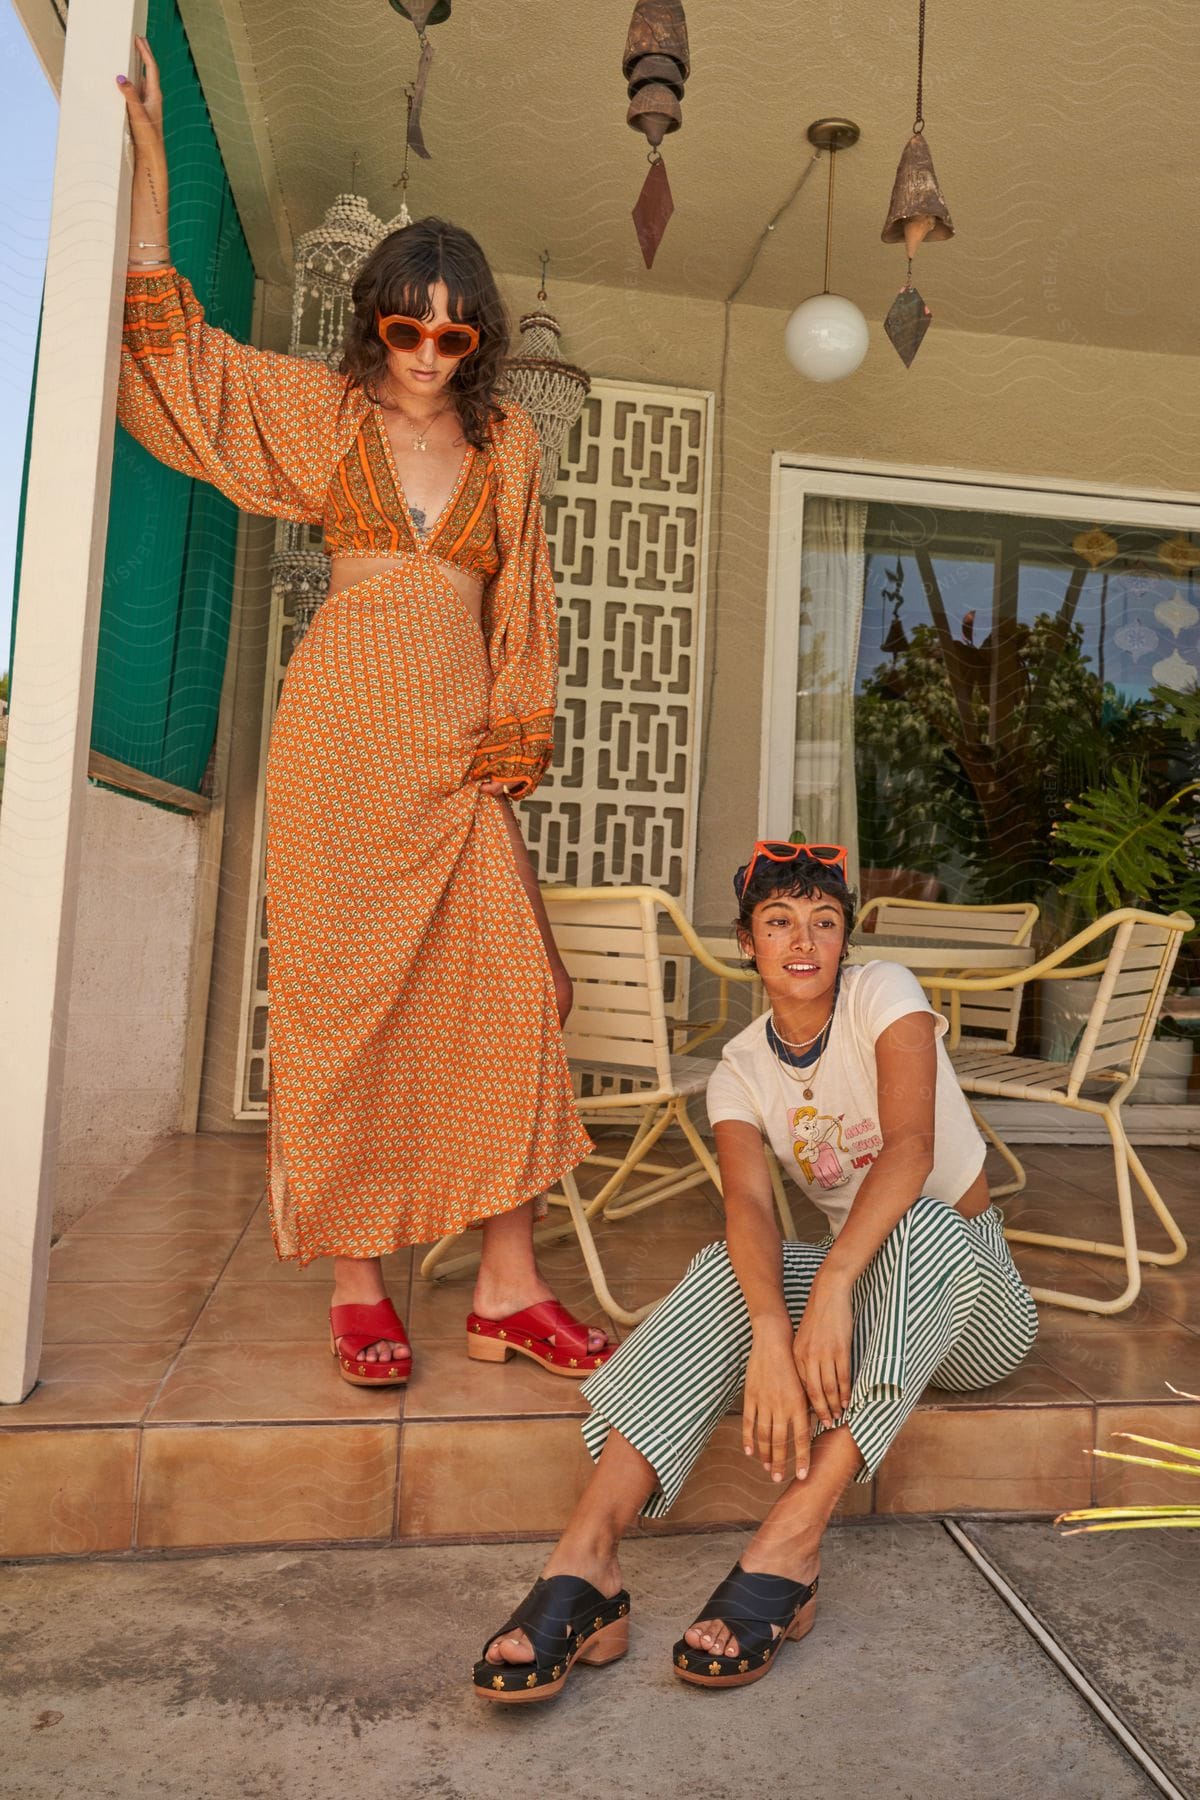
pixel 628 533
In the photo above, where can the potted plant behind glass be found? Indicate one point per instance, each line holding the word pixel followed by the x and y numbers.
pixel 1135 841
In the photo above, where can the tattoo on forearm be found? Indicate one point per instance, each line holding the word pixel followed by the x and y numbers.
pixel 154 193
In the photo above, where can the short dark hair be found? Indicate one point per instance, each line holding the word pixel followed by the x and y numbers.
pixel 803 879
pixel 398 277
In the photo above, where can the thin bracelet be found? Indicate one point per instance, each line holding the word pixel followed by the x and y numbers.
pixel 147 262
pixel 152 244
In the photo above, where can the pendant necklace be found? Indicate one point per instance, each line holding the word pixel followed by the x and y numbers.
pixel 421 437
pixel 809 1076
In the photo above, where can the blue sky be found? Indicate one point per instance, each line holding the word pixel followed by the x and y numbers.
pixel 28 123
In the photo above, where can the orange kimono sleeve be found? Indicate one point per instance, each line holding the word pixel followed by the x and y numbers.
pixel 522 615
pixel 265 429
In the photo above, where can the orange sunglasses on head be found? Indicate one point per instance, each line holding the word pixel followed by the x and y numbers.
pixel 450 340
pixel 831 856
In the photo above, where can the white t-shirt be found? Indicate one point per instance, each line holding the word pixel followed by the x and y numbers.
pixel 827 1144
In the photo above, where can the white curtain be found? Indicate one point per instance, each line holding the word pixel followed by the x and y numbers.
pixel 832 581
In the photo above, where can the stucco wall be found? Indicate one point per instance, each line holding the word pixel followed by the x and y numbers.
pixel 1013 406
pixel 129 988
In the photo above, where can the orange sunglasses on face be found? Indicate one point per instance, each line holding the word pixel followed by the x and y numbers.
pixel 450 340
pixel 831 856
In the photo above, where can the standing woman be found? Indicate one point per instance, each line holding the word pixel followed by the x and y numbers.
pixel 418 1078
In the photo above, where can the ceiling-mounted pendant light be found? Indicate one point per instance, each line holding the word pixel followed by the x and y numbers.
pixel 826 337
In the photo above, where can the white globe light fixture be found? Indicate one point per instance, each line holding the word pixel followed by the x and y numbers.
pixel 826 337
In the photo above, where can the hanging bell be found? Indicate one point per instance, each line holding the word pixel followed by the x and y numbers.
pixel 655 111
pixel 918 208
pixel 656 68
pixel 423 12
pixel 658 28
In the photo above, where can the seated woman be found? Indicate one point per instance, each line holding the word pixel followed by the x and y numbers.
pixel 846 1079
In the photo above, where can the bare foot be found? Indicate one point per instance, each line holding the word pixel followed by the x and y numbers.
pixel 604 1575
pixel 358 1281
pixel 493 1302
pixel 779 1557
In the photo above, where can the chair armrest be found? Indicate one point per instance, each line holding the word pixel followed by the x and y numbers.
pixel 1050 968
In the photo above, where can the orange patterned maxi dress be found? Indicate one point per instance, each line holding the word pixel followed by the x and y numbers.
pixel 418 1081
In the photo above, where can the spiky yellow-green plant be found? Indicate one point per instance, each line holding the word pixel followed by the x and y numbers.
pixel 1141 1518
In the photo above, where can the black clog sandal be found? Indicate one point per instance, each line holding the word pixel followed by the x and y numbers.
pixel 751 1606
pixel 567 1621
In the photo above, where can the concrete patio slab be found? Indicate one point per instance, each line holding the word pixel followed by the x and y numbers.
pixel 346 1672
pixel 1125 1606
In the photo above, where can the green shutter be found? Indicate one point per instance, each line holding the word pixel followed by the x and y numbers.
pixel 169 560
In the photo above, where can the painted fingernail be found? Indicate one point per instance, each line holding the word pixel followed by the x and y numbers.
pixel 122 81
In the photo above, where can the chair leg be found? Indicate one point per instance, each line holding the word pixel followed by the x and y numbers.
pixel 1127 1250
pixel 1164 1258
pixel 677 1181
pixel 999 1145
pixel 591 1257
pixel 645 1138
pixel 434 1266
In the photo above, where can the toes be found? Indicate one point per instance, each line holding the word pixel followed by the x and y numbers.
pixel 515 1648
pixel 699 1635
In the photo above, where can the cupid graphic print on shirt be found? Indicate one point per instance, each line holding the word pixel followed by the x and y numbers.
pixel 826 1145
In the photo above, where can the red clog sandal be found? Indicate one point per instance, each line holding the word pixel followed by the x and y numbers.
pixel 353 1329
pixel 529 1333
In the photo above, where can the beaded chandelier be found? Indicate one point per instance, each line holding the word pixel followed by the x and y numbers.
pixel 551 391
pixel 327 260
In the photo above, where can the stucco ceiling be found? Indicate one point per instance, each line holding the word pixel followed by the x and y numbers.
pixel 1065 135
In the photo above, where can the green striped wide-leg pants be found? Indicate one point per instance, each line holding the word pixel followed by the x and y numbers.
pixel 940 1301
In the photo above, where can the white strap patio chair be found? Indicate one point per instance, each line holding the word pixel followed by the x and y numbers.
pixel 1106 1064
pixel 619 1042
pixel 990 1018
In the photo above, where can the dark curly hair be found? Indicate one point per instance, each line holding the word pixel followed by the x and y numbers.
pixel 804 879
pixel 398 277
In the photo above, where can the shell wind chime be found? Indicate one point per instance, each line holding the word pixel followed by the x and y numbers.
pixel 656 66
pixel 327 259
pixel 420 14
pixel 918 212
pixel 551 391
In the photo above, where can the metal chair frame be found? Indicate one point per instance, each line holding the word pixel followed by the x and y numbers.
pixel 621 1031
pixel 1009 923
pixel 1133 983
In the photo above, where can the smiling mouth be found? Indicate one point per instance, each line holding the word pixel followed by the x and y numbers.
pixel 801 968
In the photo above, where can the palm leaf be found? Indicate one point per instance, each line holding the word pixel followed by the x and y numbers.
pixel 1120 849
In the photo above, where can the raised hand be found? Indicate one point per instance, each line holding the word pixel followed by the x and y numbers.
pixel 148 236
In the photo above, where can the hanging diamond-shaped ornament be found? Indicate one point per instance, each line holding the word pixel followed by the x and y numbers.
pixel 907 322
pixel 652 213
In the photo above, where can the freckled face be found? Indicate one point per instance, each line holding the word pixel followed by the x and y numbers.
pixel 797 944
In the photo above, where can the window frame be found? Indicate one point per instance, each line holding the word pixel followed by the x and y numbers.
pixel 795 477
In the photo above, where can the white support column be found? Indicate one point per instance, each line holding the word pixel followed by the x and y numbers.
pixel 54 661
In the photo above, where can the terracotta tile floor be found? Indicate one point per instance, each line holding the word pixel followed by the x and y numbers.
pixel 187 1397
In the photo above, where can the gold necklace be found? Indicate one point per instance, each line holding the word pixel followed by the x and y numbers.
pixel 421 438
pixel 809 1076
